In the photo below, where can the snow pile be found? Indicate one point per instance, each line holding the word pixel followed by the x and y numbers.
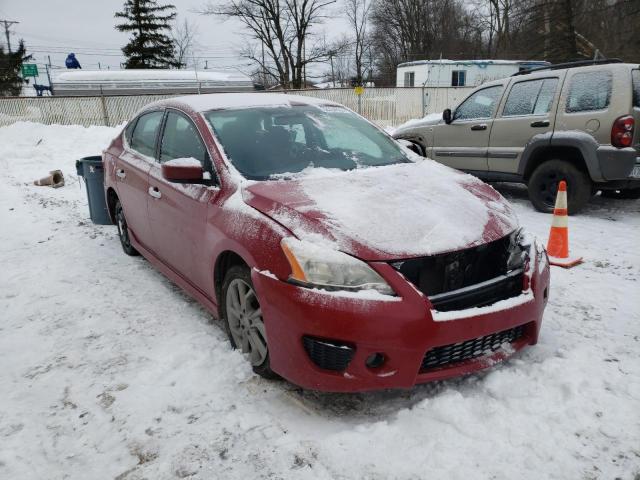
pixel 430 119
pixel 108 370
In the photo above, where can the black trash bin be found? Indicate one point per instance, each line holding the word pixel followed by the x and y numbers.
pixel 91 169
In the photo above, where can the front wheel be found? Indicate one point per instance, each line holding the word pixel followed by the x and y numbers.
pixel 243 319
pixel 123 231
pixel 543 186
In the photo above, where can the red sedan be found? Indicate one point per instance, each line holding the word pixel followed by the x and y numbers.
pixel 336 258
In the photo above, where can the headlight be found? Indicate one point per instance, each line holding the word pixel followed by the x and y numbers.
pixel 320 267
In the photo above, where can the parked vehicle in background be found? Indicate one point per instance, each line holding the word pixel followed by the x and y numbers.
pixel 575 122
pixel 336 259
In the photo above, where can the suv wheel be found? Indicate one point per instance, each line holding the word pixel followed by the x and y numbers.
pixel 543 186
pixel 243 319
pixel 625 193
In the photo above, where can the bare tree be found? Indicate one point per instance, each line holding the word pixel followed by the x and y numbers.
pixel 357 12
pixel 283 29
pixel 184 36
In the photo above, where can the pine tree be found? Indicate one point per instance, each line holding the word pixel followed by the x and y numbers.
pixel 10 63
pixel 149 47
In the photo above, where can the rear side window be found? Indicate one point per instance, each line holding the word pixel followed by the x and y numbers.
pixel 129 131
pixel 533 97
pixel 143 139
pixel 589 91
pixel 635 75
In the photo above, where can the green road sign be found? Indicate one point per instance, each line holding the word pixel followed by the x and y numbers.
pixel 29 70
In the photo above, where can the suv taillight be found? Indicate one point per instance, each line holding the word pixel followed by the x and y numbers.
pixel 622 132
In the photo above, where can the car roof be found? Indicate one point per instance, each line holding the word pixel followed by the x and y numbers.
pixel 217 101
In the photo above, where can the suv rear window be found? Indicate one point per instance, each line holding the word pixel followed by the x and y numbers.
pixel 635 75
pixel 589 91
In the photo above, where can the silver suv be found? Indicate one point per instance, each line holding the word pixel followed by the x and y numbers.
pixel 574 122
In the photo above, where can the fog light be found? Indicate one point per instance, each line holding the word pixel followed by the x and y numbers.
pixel 375 360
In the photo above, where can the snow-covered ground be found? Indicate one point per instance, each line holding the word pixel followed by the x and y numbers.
pixel 109 371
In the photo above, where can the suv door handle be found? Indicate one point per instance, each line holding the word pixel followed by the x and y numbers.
pixel 120 173
pixel 540 123
pixel 479 126
pixel 154 192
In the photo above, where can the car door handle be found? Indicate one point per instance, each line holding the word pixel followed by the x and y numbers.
pixel 154 192
pixel 120 173
pixel 479 126
pixel 540 123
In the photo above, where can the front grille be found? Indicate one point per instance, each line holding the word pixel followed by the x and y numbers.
pixel 480 295
pixel 328 354
pixel 449 355
pixel 494 268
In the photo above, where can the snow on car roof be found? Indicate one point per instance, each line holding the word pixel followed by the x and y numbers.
pixel 214 101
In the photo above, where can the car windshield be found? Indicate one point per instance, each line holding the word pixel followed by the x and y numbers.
pixel 269 142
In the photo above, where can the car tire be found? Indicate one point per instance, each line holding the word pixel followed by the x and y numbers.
pixel 624 194
pixel 242 319
pixel 544 181
pixel 123 231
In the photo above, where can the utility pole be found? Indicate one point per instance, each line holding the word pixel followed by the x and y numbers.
pixel 7 26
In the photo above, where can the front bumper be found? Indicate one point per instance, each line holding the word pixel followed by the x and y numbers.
pixel 402 328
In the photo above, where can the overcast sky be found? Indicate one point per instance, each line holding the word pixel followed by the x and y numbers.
pixel 86 27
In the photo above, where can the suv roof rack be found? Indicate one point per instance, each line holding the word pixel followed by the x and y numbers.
pixel 558 66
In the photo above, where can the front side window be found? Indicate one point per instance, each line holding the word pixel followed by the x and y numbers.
pixel 458 78
pixel 409 79
pixel 265 141
pixel 181 140
pixel 145 133
pixel 635 75
pixel 480 104
pixel 589 91
pixel 533 97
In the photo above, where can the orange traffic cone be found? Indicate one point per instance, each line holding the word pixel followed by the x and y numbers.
pixel 558 245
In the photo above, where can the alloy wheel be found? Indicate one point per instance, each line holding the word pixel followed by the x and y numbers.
pixel 244 317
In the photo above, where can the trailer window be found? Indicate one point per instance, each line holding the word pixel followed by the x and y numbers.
pixel 458 78
pixel 635 75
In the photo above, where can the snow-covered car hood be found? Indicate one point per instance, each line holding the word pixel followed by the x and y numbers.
pixel 427 121
pixel 385 213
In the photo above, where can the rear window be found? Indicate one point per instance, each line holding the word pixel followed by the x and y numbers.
pixel 589 91
pixel 635 75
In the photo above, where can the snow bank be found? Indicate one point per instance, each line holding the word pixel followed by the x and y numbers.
pixel 108 370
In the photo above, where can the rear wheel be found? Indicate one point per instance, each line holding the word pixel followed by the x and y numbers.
pixel 543 186
pixel 624 194
pixel 123 231
pixel 243 319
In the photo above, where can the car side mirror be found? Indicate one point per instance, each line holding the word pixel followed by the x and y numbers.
pixel 446 116
pixel 183 170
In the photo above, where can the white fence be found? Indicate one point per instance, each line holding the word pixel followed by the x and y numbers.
pixel 384 106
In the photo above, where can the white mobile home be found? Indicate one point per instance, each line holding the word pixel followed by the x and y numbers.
pixel 458 73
